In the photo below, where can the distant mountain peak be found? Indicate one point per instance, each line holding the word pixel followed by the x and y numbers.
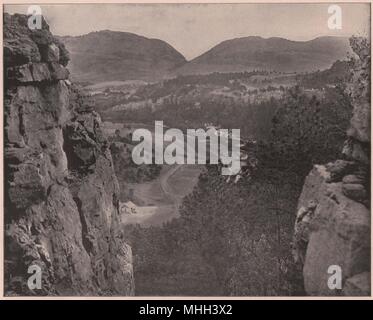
pixel 274 53
pixel 108 55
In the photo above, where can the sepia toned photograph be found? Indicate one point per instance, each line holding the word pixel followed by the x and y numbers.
pixel 187 150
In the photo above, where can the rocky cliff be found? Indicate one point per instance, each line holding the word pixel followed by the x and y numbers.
pixel 333 219
pixel 61 203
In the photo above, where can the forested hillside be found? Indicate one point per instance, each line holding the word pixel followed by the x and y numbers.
pixel 238 236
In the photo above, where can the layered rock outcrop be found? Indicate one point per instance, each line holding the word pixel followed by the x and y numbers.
pixel 333 219
pixel 61 192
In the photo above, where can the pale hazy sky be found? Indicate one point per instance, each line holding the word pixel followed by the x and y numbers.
pixel 194 28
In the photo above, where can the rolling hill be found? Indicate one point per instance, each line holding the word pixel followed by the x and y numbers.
pixel 108 55
pixel 278 54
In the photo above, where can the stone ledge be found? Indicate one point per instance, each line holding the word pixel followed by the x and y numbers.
pixel 37 72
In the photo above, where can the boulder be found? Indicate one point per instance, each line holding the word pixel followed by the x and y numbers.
pixel 20 51
pixel 337 232
pixel 58 72
pixel 355 191
pixel 339 168
pixel 50 53
pixel 353 179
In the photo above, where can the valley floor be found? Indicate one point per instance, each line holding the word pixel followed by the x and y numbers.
pixel 158 200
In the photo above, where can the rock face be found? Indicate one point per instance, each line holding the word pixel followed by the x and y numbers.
pixel 61 204
pixel 333 219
